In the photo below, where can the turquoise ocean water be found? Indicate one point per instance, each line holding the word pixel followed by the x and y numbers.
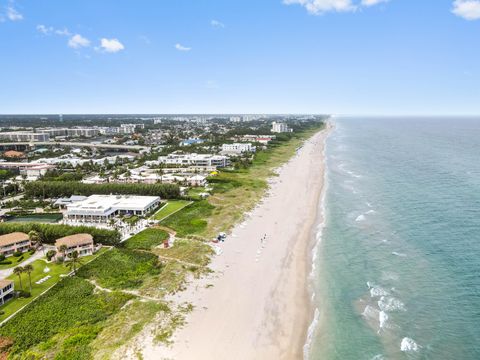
pixel 397 272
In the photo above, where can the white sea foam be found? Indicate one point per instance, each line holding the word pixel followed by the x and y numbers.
pixel 360 218
pixel 378 357
pixel 389 303
pixel 310 333
pixel 408 345
pixel 382 319
pixel 399 254
pixel 376 291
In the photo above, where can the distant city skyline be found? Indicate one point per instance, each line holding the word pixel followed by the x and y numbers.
pixel 351 57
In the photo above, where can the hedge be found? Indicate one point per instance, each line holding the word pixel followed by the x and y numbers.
pixel 55 189
pixel 52 232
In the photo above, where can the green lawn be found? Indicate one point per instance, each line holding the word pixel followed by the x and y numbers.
pixel 191 219
pixel 169 208
pixel 146 239
pixel 121 268
pixel 15 260
pixel 195 192
pixel 38 273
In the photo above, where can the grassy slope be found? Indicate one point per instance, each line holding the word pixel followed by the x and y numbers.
pixel 146 239
pixel 170 207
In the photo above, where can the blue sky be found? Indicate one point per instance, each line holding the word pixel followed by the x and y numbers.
pixel 240 56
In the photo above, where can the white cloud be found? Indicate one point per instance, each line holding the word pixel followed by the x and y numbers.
pixel 77 41
pixel 44 29
pixel 321 6
pixel 217 24
pixel 318 7
pixel 111 45
pixel 180 47
pixel 62 32
pixel 372 2
pixel 467 9
pixel 12 14
pixel 49 30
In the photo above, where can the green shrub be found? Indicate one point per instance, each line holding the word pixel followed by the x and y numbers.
pixel 121 268
pixel 17 253
pixel 2 257
pixel 23 294
pixel 20 259
pixel 5 262
pixel 70 303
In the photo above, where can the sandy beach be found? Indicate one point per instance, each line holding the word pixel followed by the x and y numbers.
pixel 256 304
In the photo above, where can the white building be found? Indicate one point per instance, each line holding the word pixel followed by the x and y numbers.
pixel 196 160
pixel 130 128
pixel 24 136
pixel 102 208
pixel 86 132
pixel 237 148
pixel 280 128
pixel 6 290
pixel 235 118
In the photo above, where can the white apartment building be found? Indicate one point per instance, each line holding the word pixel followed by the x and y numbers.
pixel 280 128
pixel 237 148
pixel 196 160
pixel 130 128
pixel 102 208
pixel 86 132
pixel 24 136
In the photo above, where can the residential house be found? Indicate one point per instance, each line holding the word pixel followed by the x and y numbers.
pixel 82 243
pixel 13 242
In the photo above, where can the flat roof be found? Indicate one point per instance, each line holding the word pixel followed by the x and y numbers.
pixel 108 204
pixel 12 238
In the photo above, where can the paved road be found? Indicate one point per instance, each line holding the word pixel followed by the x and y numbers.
pixel 38 255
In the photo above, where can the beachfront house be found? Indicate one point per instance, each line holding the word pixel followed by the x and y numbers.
pixel 81 243
pixel 6 290
pixel 14 242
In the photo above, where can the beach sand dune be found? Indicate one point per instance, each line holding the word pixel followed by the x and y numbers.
pixel 259 305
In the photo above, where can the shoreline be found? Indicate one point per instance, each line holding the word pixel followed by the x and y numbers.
pixel 265 258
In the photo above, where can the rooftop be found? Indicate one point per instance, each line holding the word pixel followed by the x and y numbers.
pixel 12 238
pixel 74 240
pixel 105 204
pixel 5 282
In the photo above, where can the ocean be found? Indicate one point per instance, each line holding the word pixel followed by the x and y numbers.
pixel 397 270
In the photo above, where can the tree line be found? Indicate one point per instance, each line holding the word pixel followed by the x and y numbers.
pixel 48 233
pixel 55 189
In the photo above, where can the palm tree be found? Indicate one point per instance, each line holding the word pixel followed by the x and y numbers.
pixel 28 269
pixel 63 249
pixel 74 261
pixel 35 238
pixel 18 271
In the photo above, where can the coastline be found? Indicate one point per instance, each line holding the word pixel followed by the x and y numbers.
pixel 257 303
